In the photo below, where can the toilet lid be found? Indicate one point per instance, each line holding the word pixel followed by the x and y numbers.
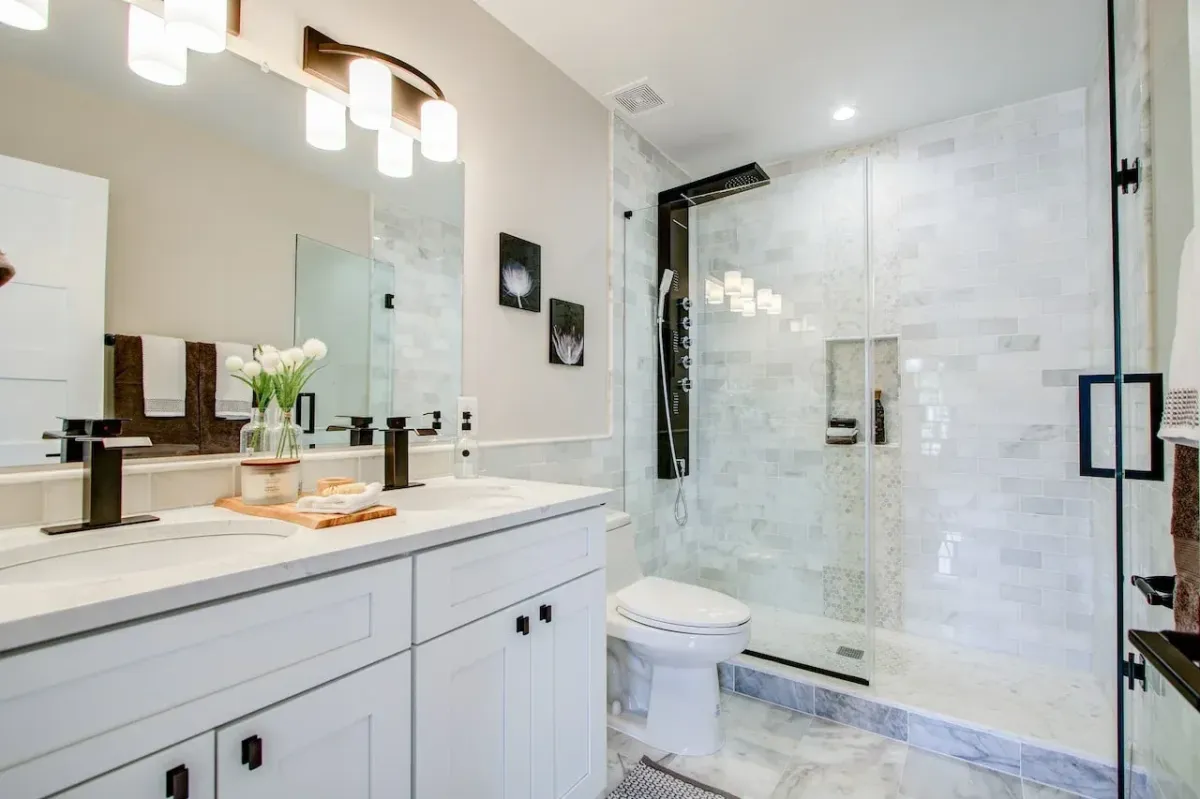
pixel 653 599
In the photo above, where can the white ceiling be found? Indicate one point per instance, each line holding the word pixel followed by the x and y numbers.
pixel 757 80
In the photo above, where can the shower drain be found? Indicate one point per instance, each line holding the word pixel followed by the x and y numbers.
pixel 850 652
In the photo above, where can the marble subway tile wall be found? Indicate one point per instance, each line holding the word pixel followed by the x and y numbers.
pixel 418 345
pixel 997 300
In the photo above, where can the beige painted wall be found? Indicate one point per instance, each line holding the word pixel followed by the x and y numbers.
pixel 201 230
pixel 537 152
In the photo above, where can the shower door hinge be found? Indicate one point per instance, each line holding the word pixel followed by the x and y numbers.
pixel 1129 177
pixel 389 301
pixel 1134 670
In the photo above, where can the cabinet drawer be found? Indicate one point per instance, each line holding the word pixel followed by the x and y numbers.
pixel 463 582
pixel 66 709
pixel 184 769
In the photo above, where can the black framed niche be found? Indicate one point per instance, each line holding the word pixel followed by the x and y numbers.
pixel 566 333
pixel 520 274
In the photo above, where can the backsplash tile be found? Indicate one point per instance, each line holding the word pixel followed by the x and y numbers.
pixel 21 504
pixel 183 489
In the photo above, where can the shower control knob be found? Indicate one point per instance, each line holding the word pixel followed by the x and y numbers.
pixel 686 303
pixel 686 323
pixel 686 342
pixel 686 362
pixel 686 384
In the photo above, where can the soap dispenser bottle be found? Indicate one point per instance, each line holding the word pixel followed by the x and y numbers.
pixel 466 450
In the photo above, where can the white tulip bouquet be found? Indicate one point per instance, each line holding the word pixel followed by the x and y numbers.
pixel 279 375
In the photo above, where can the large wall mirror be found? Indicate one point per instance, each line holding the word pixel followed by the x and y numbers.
pixel 199 213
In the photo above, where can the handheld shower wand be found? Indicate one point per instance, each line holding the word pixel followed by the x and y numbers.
pixel 664 288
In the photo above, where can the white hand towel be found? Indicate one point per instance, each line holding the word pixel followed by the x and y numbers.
pixel 233 396
pixel 164 376
pixel 1181 418
pixel 341 504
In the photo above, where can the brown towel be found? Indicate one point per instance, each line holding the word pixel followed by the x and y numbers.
pixel 216 435
pixel 168 434
pixel 1185 529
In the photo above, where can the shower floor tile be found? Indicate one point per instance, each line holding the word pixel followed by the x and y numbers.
pixel 1065 709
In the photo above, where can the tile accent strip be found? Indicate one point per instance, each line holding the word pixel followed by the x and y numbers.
pixel 1069 772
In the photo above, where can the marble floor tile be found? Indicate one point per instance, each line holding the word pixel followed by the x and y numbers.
pixel 834 760
pixel 624 753
pixel 931 776
pixel 760 741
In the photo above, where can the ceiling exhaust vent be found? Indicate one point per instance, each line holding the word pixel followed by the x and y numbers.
pixel 637 98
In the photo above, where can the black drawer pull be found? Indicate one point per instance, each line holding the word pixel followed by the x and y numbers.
pixel 252 752
pixel 177 783
pixel 523 625
pixel 545 613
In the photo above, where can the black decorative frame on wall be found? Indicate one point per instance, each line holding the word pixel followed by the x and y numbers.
pixel 520 274
pixel 566 333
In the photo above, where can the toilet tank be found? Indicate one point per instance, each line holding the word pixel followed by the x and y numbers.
pixel 622 567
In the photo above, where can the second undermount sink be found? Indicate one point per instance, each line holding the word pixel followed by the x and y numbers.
pixel 466 494
pixel 104 554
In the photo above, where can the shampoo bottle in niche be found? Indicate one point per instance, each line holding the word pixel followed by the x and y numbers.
pixel 466 450
pixel 880 434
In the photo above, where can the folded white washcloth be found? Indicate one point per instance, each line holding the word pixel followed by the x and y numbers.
pixel 164 376
pixel 342 504
pixel 233 396
pixel 841 432
pixel 1181 417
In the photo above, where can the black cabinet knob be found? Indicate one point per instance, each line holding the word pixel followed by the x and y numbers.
pixel 523 625
pixel 177 783
pixel 545 614
pixel 252 752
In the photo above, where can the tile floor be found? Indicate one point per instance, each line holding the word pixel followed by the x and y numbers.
pixel 1064 709
pixel 773 753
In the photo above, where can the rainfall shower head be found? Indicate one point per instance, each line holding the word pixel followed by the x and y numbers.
pixel 717 187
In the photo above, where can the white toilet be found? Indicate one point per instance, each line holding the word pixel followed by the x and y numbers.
pixel 673 635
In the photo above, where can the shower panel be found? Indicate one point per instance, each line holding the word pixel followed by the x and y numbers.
pixel 674 456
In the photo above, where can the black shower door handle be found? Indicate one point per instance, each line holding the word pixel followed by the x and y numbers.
pixel 1157 470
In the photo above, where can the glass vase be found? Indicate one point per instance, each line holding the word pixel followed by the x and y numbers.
pixel 256 441
pixel 287 436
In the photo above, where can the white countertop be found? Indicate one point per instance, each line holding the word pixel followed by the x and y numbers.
pixel 33 613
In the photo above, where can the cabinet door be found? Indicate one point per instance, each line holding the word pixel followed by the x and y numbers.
pixel 185 771
pixel 349 739
pixel 472 707
pixel 569 735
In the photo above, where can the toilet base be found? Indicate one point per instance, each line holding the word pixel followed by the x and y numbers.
pixel 685 712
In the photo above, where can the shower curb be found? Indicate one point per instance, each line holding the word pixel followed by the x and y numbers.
pixel 1028 759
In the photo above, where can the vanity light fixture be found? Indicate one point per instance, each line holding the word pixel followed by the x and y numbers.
pixel 764 299
pixel 747 291
pixel 202 25
pixel 748 307
pixel 383 88
pixel 776 305
pixel 395 153
pixel 28 15
pixel 153 54
pixel 324 121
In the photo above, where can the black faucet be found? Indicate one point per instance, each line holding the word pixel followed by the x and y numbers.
pixel 395 454
pixel 71 446
pixel 361 432
pixel 103 456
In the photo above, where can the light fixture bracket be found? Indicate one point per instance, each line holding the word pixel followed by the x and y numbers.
pixel 329 60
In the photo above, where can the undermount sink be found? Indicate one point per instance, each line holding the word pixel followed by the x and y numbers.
pixel 454 497
pixel 92 555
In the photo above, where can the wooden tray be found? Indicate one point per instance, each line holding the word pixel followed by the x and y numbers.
pixel 313 521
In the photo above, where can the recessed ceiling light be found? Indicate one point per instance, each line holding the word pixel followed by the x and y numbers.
pixel 844 113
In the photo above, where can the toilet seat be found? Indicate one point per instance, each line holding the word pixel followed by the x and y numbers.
pixel 678 607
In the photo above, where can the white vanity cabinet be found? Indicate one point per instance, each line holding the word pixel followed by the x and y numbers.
pixel 513 704
pixel 184 771
pixel 472 669
pixel 348 739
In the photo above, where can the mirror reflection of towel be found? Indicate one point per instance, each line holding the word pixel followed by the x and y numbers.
pixel 1185 530
pixel 1181 417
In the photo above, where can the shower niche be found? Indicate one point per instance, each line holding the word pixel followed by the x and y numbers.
pixel 845 385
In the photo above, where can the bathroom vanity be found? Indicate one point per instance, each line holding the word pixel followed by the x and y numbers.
pixel 454 650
